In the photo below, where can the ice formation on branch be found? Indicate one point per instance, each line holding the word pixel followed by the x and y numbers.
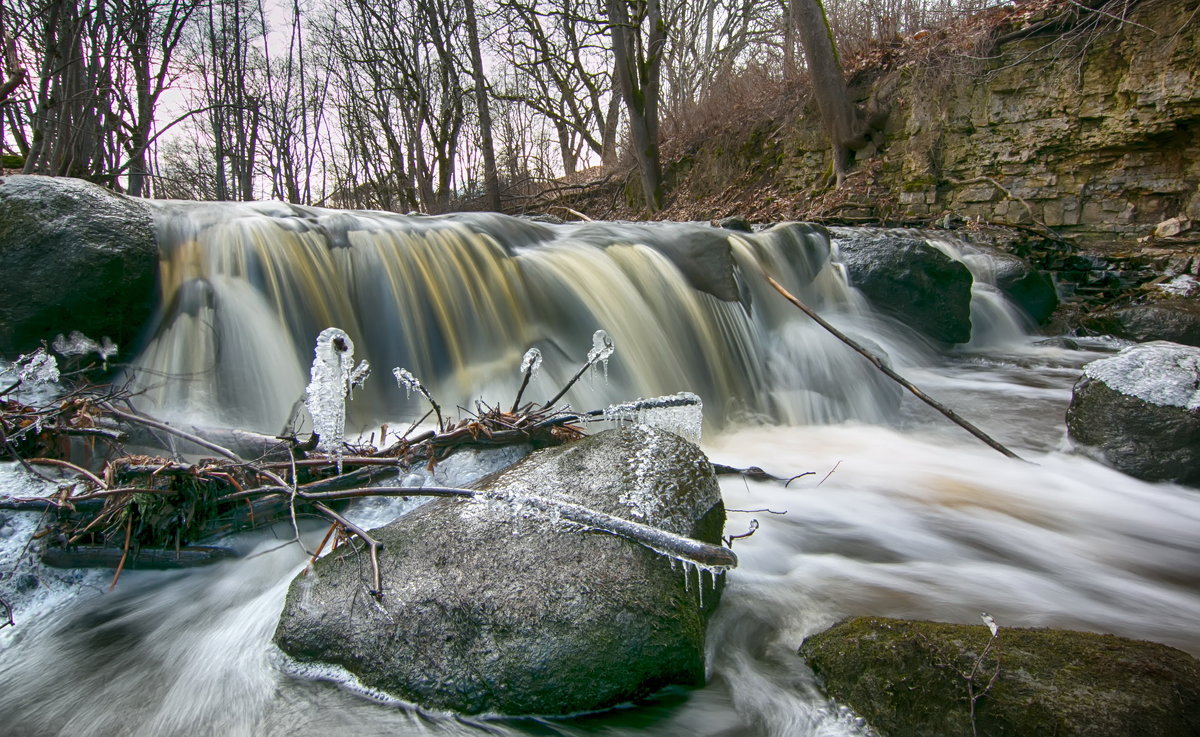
pixel 602 347
pixel 78 344
pixel 332 375
pixel 38 367
pixel 409 383
pixel 531 362
pixel 681 413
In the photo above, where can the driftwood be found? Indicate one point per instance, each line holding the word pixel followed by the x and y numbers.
pixel 887 371
pixel 139 511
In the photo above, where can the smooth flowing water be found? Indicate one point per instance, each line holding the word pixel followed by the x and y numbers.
pixel 904 515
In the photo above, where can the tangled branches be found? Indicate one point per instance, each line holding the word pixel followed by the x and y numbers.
pixel 121 509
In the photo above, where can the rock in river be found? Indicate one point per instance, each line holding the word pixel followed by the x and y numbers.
pixel 913 281
pixel 76 257
pixel 492 608
pixel 1140 411
pixel 909 679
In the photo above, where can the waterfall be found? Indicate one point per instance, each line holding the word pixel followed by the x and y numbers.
pixel 458 299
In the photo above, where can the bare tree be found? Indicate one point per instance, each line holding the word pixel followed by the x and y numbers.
pixel 562 62
pixel 487 148
pixel 638 34
pixel 842 121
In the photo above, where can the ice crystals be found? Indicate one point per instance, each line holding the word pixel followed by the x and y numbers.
pixel 333 373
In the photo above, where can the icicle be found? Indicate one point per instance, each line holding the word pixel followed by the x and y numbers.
pixel 602 350
pixel 531 362
pixel 682 414
pixel 359 376
pixel 330 379
pixel 407 381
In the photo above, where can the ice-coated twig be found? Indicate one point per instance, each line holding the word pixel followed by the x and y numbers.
pixel 38 367
pixel 409 383
pixel 660 541
pixel 682 414
pixel 78 344
pixel 602 350
pixel 530 363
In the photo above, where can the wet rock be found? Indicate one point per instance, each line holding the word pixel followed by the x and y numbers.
pixel 76 257
pixel 1031 290
pixel 913 281
pixel 488 609
pixel 1140 411
pixel 1176 319
pixel 909 679
pixel 735 222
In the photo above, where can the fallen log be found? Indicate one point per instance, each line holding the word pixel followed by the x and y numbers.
pixel 146 559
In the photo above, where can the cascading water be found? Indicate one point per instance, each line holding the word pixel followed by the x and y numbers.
pixel 921 522
pixel 458 300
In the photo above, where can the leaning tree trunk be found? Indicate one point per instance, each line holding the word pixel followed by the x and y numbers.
pixel 829 85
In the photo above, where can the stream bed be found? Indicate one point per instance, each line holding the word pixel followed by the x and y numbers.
pixel 911 519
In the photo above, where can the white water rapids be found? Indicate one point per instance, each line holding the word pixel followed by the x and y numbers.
pixel 909 518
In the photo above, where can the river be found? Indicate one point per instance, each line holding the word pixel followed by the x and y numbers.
pixel 902 515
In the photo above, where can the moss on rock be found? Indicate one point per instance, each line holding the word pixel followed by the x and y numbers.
pixel 909 678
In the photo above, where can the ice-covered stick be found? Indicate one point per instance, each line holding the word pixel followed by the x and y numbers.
pixel 530 364
pixel 409 383
pixel 660 541
pixel 602 350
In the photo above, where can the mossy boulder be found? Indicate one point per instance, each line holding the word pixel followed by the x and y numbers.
pixel 489 608
pixel 910 679
pixel 913 282
pixel 75 257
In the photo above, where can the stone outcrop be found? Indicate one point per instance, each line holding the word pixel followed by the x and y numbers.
pixel 76 257
pixel 1063 117
pixel 912 281
pixel 1140 411
pixel 496 608
pixel 909 679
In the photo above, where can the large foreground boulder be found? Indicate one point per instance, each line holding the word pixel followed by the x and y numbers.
pixel 75 257
pixel 496 608
pixel 1140 411
pixel 912 281
pixel 910 679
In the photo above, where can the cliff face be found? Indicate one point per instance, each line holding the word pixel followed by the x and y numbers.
pixel 1096 136
pixel 1064 117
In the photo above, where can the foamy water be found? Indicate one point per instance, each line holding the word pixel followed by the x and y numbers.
pixel 913 520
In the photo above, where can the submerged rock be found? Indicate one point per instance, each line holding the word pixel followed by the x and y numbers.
pixel 490 608
pixel 76 257
pixel 910 679
pixel 1140 411
pixel 913 281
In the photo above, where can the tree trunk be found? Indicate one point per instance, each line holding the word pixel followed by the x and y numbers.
pixel 829 85
pixel 491 181
pixel 638 77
